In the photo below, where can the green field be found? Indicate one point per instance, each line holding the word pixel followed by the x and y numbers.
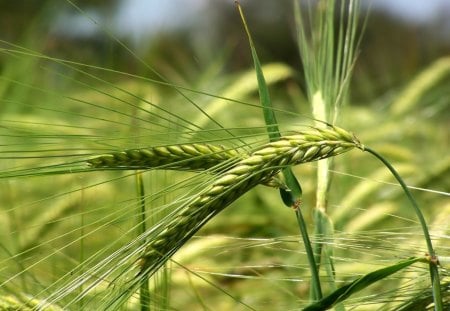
pixel 172 116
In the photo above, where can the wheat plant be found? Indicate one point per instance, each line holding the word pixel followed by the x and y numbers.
pixel 109 178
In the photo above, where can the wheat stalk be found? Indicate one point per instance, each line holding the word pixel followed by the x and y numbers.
pixel 259 166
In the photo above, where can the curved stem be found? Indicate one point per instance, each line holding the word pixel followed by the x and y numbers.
pixel 434 272
pixel 410 197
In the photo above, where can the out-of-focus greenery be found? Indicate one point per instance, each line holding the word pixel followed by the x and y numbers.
pixel 50 112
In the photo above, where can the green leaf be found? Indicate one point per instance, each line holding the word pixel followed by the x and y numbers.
pixel 295 190
pixel 359 284
pixel 269 115
pixel 264 97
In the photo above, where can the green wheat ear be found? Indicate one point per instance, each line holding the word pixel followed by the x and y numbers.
pixel 259 166
pixel 185 157
pixel 190 157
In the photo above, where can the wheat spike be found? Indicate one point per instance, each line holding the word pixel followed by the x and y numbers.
pixel 259 166
pixel 187 157
pixel 176 157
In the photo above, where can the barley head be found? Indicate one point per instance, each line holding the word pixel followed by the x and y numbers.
pixel 260 166
pixel 176 157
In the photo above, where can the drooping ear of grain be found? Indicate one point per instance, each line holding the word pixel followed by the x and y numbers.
pixel 258 167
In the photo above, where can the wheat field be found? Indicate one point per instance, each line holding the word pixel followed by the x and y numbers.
pixel 159 179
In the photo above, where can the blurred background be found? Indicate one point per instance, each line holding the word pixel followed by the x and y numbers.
pixel 188 35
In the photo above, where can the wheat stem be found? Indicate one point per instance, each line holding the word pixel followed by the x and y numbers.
pixel 144 294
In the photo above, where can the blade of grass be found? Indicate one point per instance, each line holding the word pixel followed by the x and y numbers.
pixel 290 179
pixel 359 284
